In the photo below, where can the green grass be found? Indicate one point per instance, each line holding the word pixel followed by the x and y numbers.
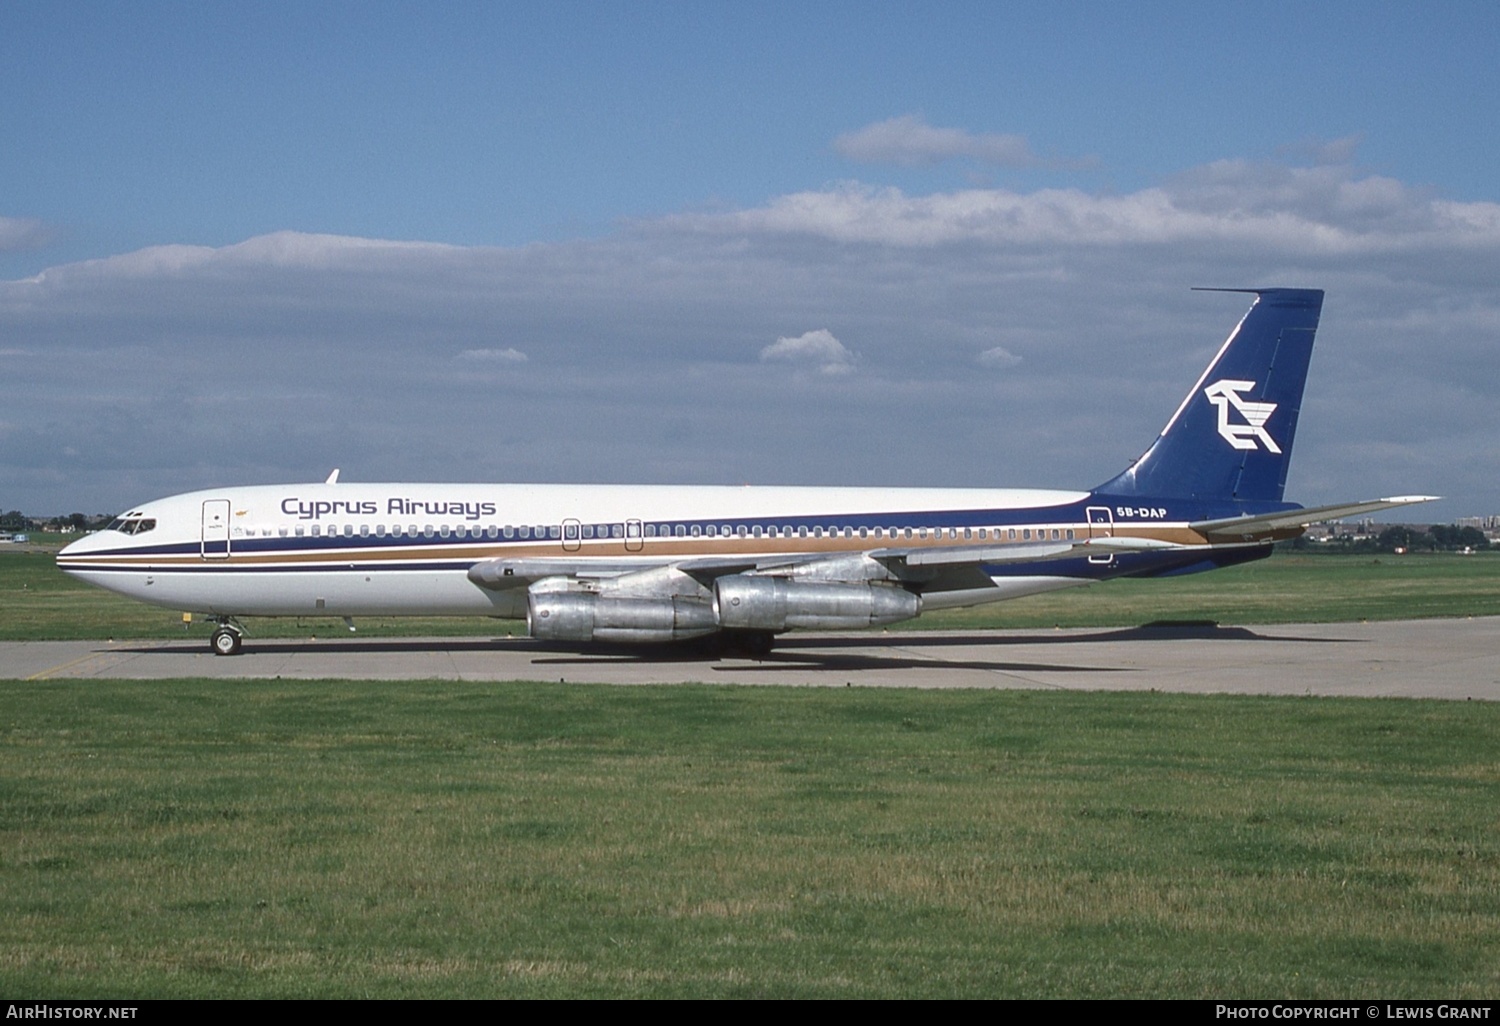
pixel 332 838
pixel 39 602
pixel 1282 589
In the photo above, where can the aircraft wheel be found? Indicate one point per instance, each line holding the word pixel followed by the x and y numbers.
pixel 225 642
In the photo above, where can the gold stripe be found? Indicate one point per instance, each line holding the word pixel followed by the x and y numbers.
pixel 652 549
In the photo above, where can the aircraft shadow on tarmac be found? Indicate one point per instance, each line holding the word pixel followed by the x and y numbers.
pixel 823 653
pixel 813 652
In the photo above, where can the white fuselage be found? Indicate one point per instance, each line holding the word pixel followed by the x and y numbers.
pixel 405 549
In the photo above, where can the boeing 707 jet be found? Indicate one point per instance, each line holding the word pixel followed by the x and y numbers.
pixel 587 563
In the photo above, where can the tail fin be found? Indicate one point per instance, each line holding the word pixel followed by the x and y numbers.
pixel 1232 436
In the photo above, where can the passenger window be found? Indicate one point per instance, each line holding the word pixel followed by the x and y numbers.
pixel 297 530
pixel 364 530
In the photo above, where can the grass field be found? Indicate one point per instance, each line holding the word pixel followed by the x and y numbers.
pixel 362 839
pixel 191 838
pixel 38 602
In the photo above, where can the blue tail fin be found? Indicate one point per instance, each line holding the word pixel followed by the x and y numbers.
pixel 1232 436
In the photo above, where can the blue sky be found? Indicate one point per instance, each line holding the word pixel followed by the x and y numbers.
pixel 639 201
pixel 136 124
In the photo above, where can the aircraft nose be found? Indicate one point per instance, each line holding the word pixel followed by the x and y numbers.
pixel 79 546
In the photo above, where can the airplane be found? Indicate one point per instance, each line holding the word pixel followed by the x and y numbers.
pixel 661 563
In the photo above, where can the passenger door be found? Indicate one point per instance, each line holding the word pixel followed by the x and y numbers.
pixel 214 538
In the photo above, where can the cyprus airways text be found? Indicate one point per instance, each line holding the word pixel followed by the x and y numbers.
pixel 310 509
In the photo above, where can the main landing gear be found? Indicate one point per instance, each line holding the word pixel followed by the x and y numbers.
pixel 745 644
pixel 227 638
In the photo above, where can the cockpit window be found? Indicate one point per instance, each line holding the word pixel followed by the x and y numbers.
pixel 132 525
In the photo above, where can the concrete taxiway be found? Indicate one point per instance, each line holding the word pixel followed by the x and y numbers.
pixel 1452 659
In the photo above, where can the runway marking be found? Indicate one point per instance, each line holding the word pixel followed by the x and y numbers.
pixel 59 668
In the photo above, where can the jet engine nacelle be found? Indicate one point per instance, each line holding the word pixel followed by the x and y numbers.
pixel 585 616
pixel 777 604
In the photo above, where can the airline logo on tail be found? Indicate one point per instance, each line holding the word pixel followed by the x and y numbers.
pixel 1226 393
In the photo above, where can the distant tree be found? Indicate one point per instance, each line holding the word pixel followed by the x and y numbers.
pixel 1451 537
pixel 15 520
pixel 1393 538
pixel 77 521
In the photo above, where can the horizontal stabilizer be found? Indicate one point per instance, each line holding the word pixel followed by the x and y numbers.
pixel 1252 526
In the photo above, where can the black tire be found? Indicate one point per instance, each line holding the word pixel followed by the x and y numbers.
pixel 225 642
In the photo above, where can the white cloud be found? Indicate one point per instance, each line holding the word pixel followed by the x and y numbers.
pixel 998 358
pixel 286 250
pixel 814 348
pixel 1323 210
pixel 1324 151
pixel 21 233
pixel 284 355
pixel 507 355
pixel 910 141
